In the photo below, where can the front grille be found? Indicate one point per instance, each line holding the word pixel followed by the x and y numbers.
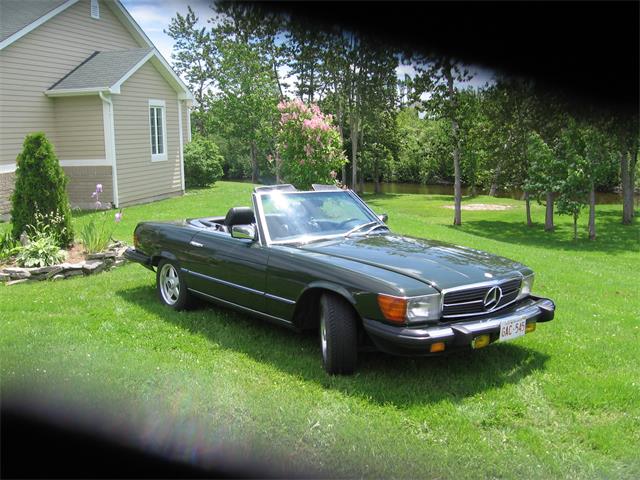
pixel 470 301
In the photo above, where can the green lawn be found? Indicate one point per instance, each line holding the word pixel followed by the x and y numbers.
pixel 563 402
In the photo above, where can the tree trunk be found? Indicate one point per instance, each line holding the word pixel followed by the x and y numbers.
pixel 632 180
pixel 627 208
pixel 493 191
pixel 575 225
pixel 361 189
pixel 377 184
pixel 548 216
pixel 339 120
pixel 354 152
pixel 592 212
pixel 457 187
pixel 254 163
pixel 278 161
pixel 527 203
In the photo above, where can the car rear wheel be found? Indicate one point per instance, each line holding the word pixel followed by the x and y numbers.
pixel 338 335
pixel 172 289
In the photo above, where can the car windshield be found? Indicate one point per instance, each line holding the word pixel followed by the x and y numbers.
pixel 305 216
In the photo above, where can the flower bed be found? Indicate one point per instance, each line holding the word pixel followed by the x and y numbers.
pixel 90 264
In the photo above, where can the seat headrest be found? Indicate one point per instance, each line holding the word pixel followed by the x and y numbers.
pixel 239 216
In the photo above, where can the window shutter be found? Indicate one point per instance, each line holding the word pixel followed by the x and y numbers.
pixel 95 9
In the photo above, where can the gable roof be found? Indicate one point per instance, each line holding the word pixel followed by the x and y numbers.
pixel 19 17
pixel 102 70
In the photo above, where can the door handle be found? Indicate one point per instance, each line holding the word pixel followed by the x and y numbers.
pixel 195 244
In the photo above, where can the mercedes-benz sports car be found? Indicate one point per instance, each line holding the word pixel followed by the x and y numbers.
pixel 322 259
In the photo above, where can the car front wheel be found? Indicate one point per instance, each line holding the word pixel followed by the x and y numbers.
pixel 172 289
pixel 338 335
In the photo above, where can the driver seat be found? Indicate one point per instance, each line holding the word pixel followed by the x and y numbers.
pixel 239 216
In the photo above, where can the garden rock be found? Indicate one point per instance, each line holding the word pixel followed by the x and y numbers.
pixel 57 277
pixel 93 266
pixel 72 273
pixel 4 277
pixel 15 282
pixel 17 273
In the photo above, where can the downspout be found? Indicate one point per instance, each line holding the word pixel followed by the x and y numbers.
pixel 110 143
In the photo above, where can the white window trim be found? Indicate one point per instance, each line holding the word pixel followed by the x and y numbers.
pixel 159 157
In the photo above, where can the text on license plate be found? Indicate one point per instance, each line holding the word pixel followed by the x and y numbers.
pixel 512 328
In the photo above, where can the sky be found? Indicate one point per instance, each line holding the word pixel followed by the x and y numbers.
pixel 154 17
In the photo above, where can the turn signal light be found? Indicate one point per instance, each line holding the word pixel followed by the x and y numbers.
pixel 481 341
pixel 437 347
pixel 393 308
pixel 531 327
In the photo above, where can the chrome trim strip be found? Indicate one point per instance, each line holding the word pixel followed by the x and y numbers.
pixel 223 282
pixel 280 299
pixel 241 287
pixel 247 309
pixel 461 303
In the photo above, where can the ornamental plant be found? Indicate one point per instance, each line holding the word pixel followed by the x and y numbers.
pixel 96 234
pixel 202 163
pixel 308 144
pixel 40 187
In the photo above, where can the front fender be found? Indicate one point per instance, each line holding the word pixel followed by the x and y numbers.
pixel 332 287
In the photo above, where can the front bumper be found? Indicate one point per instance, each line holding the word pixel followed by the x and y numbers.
pixel 401 340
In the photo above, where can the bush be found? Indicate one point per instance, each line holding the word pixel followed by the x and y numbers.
pixel 308 144
pixel 202 163
pixel 41 188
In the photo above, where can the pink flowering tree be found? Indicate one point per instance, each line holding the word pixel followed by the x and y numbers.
pixel 308 144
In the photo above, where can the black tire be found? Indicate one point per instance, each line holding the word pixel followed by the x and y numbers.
pixel 171 285
pixel 338 335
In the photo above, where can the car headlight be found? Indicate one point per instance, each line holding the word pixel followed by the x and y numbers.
pixel 526 287
pixel 426 307
pixel 410 309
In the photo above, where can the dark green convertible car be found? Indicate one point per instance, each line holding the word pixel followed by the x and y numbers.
pixel 322 259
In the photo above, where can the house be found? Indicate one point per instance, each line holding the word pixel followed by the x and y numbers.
pixel 85 73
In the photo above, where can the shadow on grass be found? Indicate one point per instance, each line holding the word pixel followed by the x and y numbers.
pixel 380 378
pixel 612 236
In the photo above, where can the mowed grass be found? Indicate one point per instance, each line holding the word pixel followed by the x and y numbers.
pixel 563 402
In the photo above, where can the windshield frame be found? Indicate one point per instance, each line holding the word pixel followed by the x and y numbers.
pixel 265 237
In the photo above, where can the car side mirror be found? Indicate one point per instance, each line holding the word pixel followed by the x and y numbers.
pixel 383 217
pixel 247 232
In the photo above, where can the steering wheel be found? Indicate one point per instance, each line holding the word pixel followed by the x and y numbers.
pixel 344 223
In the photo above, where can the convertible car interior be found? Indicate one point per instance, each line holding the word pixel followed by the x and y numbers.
pixel 235 216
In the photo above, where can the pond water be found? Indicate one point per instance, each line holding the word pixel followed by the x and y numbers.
pixel 601 197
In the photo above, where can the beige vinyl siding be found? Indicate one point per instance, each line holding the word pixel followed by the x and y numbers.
pixel 140 179
pixel 79 129
pixel 82 182
pixel 36 61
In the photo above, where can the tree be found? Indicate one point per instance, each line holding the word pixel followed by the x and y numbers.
pixel 40 190
pixel 308 144
pixel 248 94
pixel 544 175
pixel 193 57
pixel 438 78
pixel 626 134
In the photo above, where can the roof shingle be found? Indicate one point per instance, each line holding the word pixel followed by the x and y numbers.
pixel 101 70
pixel 17 14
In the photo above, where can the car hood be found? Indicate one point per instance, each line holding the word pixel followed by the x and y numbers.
pixel 438 264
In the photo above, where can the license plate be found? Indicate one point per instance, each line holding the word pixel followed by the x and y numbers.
pixel 512 328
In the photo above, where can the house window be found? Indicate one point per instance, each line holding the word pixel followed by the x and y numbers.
pixel 158 129
pixel 95 9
